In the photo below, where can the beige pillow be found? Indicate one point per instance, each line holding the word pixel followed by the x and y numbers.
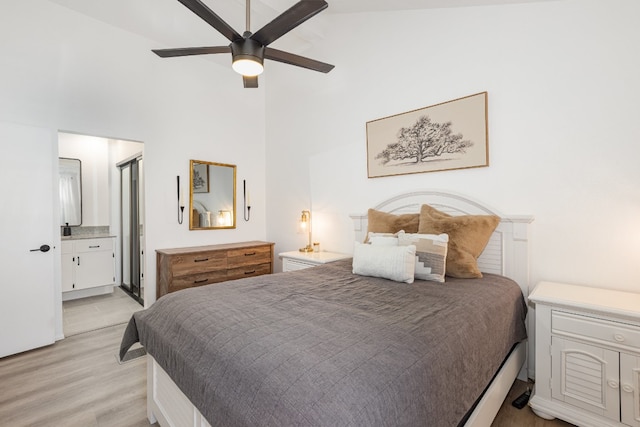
pixel 384 222
pixel 468 236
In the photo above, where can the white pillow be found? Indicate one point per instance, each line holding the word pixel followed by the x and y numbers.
pixel 431 254
pixel 396 263
pixel 383 240
pixel 386 239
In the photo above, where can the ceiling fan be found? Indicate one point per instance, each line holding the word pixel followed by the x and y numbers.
pixel 250 49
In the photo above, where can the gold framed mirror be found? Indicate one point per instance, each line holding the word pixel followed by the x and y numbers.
pixel 212 195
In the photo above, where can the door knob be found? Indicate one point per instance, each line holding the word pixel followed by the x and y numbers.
pixel 43 248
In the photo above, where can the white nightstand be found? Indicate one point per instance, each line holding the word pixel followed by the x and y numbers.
pixel 587 355
pixel 296 260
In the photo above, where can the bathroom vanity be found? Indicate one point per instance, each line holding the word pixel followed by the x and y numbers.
pixel 87 263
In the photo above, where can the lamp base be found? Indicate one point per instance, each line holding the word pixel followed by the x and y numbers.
pixel 306 249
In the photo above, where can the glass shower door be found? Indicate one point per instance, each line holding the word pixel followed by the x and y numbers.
pixel 130 189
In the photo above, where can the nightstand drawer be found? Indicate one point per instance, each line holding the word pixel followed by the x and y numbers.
pixel 289 264
pixel 296 260
pixel 594 330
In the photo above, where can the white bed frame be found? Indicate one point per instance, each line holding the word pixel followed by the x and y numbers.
pixel 507 254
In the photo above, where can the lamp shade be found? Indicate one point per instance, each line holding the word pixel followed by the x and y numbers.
pixel 224 218
pixel 304 226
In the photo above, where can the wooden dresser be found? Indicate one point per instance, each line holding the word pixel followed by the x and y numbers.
pixel 181 268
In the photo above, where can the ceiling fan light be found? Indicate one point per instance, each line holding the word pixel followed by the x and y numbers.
pixel 247 65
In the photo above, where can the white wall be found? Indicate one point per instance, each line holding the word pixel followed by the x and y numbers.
pixel 64 71
pixel 564 138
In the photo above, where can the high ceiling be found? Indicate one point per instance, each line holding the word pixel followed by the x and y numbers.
pixel 170 24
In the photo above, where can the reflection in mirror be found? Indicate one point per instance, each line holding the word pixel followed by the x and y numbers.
pixel 212 195
pixel 70 187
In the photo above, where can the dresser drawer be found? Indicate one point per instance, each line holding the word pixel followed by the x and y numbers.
pixel 199 279
pixel 249 271
pixel 188 264
pixel 248 256
pixel 594 330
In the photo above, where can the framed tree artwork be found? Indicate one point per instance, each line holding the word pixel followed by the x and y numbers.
pixel 200 177
pixel 445 136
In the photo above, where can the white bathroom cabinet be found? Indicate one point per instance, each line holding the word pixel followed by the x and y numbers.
pixel 87 263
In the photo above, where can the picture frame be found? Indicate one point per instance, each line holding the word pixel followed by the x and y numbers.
pixel 200 178
pixel 446 136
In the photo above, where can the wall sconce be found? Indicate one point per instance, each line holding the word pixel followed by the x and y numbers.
pixel 180 202
pixel 224 218
pixel 304 226
pixel 246 211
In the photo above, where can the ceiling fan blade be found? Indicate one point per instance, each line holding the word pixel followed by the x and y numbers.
pixel 288 20
pixel 209 16
pixel 297 60
pixel 186 51
pixel 250 82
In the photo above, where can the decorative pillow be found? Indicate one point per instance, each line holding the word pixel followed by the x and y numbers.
pixel 384 222
pixel 431 254
pixel 468 236
pixel 383 239
pixel 396 263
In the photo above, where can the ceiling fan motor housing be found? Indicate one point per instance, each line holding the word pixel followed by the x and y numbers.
pixel 247 49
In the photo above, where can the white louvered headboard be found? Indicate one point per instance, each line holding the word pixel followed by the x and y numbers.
pixel 507 252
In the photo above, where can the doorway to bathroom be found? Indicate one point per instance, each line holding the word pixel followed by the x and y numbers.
pixel 97 300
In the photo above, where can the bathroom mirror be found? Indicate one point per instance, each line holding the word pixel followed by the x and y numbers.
pixel 212 196
pixel 70 187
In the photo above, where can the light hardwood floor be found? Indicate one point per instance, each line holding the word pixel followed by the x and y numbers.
pixel 512 417
pixel 88 314
pixel 74 382
pixel 78 382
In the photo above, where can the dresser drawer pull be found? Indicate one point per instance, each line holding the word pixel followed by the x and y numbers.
pixel 201 281
pixel 201 260
pixel 93 247
pixel 249 272
pixel 250 254
pixel 618 337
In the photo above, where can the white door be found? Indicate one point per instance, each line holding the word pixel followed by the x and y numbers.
pixel 27 315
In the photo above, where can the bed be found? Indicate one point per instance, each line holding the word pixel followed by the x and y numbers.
pixel 324 346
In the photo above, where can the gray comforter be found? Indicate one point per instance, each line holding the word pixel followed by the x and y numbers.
pixel 325 347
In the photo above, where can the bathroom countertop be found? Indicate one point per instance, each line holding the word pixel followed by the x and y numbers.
pixel 85 236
